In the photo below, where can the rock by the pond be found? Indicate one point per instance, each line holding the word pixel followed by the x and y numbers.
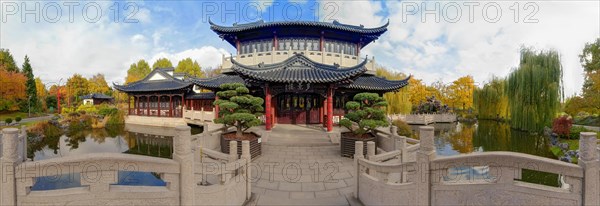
pixel 563 146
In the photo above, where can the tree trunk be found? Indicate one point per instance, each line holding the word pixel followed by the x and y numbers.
pixel 239 132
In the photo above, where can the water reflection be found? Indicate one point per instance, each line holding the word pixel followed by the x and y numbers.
pixel 457 138
pixel 133 139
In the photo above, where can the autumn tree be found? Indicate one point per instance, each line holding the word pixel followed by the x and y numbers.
pixel 137 71
pixel 213 71
pixel 417 90
pixel 491 101
pixel 461 91
pixel 30 85
pixel 189 67
pixel 590 60
pixel 97 84
pixel 77 86
pixel 41 92
pixel 162 63
pixel 7 62
pixel 12 89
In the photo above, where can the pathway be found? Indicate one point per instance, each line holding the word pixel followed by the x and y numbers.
pixel 299 166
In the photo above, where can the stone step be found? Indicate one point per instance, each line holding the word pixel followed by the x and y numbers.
pixel 300 199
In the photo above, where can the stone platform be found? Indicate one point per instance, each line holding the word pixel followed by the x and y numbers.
pixel 300 166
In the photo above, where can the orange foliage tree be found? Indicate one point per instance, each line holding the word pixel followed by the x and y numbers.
pixel 12 90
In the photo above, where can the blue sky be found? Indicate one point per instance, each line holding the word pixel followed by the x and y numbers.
pixel 450 39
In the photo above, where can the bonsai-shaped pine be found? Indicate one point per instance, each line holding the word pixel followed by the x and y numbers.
pixel 238 108
pixel 367 110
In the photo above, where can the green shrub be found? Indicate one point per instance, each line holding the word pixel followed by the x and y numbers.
pixel 403 128
pixel 105 110
pixel 18 119
pixel 574 134
pixel 238 107
pixel 367 110
pixel 8 120
pixel 87 109
pixel 118 117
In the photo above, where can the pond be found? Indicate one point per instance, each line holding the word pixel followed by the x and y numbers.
pixel 485 136
pixel 131 139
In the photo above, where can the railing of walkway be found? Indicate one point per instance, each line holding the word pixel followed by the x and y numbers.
pixel 188 182
pixel 432 180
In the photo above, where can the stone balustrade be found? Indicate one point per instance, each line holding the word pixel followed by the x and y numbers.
pixel 270 57
pixel 202 116
pixel 424 119
pixel 187 180
pixel 431 180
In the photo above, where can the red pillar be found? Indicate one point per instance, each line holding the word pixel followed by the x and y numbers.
pixel 128 105
pixel 148 106
pixel 58 98
pixel 275 43
pixel 159 106
pixel 330 109
pixel 216 108
pixel 137 106
pixel 268 115
pixel 170 105
pixel 322 41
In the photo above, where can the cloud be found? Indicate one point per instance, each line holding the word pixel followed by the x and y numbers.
pixel 207 56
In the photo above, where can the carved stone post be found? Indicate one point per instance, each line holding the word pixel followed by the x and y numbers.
pixel 588 160
pixel 248 158
pixel 233 156
pixel 370 149
pixel 8 161
pixel 425 154
pixel 358 154
pixel 183 154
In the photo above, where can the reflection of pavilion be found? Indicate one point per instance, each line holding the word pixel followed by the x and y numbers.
pixel 149 145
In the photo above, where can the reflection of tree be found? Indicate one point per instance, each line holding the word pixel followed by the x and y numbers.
pixel 497 136
pixel 462 141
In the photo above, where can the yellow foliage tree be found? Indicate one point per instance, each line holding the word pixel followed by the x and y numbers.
pixel 97 84
pixel 417 91
pixel 41 92
pixel 12 89
pixel 461 92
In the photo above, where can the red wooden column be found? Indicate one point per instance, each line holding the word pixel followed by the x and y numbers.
pixel 184 105
pixel 322 41
pixel 148 106
pixel 268 114
pixel 170 105
pixel 330 109
pixel 128 105
pixel 159 106
pixel 137 106
pixel 275 42
pixel 216 108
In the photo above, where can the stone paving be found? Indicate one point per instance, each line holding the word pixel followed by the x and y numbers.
pixel 287 174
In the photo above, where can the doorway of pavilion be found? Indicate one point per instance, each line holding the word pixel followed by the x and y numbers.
pixel 302 108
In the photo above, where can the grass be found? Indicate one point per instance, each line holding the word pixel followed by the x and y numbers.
pixel 13 115
pixel 573 143
pixel 26 124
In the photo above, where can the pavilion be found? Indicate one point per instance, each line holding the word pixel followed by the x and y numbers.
pixel 306 72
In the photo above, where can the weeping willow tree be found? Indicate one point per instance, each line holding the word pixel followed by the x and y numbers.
pixel 398 102
pixel 491 101
pixel 534 90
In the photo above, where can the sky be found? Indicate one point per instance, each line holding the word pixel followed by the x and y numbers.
pixel 432 40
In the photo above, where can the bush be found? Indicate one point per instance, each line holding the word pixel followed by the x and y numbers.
pixel 238 107
pixel 574 133
pixel 18 119
pixel 367 111
pixel 403 128
pixel 87 109
pixel 8 120
pixel 562 126
pixel 117 118
pixel 105 110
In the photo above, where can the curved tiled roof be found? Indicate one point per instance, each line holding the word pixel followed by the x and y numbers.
pixel 373 83
pixel 202 95
pixel 299 68
pixel 147 85
pixel 215 82
pixel 261 24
